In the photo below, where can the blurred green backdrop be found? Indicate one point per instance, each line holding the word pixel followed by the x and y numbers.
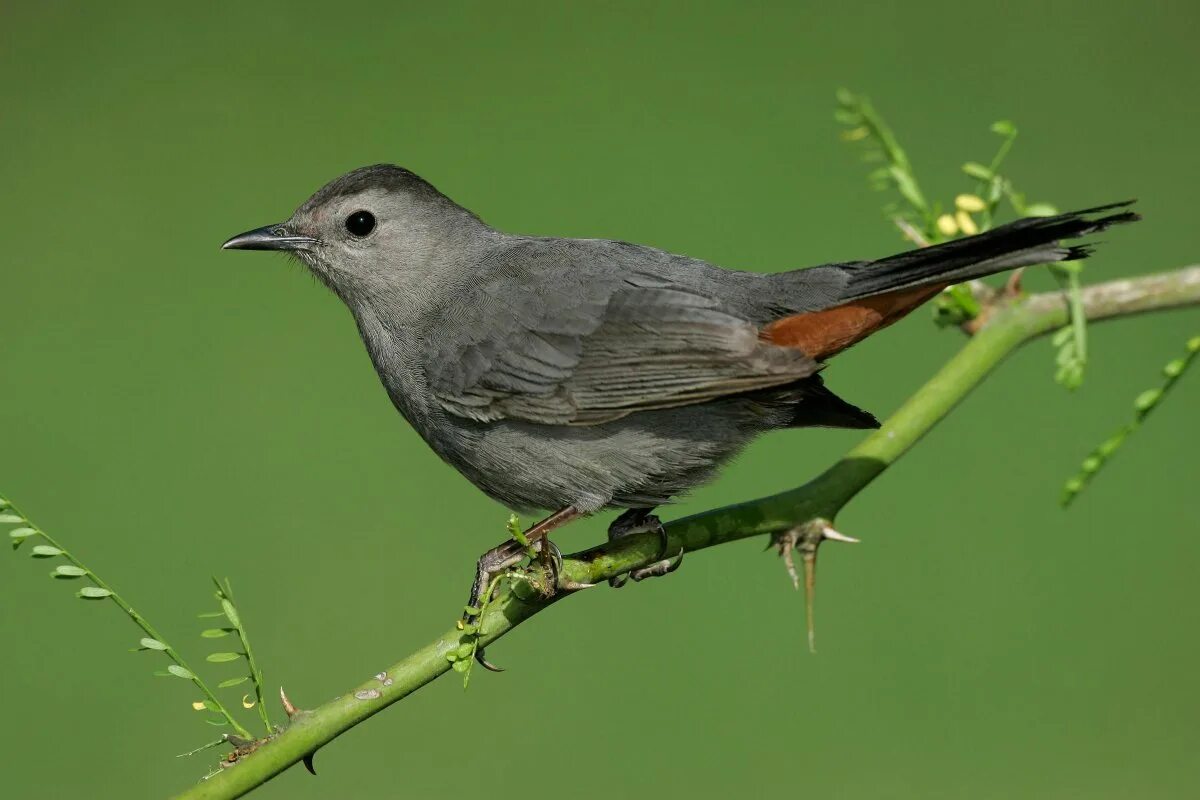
pixel 172 411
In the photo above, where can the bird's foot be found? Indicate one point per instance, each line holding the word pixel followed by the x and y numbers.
pixel 542 574
pixel 807 538
pixel 640 520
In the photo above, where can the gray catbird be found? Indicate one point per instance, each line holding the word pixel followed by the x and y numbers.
pixel 573 375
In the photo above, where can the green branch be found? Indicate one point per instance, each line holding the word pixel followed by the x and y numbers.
pixel 1009 325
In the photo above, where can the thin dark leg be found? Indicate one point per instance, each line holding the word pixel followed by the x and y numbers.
pixel 642 520
pixel 509 553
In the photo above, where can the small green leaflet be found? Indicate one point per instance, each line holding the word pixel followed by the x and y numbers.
pixel 93 593
pixel 180 672
pixel 218 658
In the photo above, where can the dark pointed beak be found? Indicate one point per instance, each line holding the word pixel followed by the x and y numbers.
pixel 271 237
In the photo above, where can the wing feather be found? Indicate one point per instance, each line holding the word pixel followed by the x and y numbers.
pixel 583 345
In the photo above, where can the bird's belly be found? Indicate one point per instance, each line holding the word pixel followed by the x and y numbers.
pixel 640 460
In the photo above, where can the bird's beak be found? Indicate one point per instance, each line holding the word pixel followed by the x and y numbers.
pixel 271 237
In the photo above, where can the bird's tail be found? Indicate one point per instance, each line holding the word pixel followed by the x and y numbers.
pixel 1033 240
pixel 877 293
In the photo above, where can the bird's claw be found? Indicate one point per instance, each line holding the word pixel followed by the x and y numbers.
pixel 501 560
pixel 658 569
pixel 637 520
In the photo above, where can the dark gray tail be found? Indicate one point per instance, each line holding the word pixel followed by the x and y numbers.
pixel 1033 240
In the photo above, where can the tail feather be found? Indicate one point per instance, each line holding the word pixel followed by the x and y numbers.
pixel 873 294
pixel 1033 240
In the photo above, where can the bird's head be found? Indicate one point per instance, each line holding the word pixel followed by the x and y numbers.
pixel 375 229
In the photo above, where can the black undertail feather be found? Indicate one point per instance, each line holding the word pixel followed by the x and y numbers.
pixel 818 407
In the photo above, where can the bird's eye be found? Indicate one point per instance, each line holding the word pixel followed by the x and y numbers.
pixel 360 223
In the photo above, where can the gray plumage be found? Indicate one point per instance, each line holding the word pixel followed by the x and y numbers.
pixel 585 372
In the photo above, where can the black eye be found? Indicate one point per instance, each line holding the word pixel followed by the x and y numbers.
pixel 360 223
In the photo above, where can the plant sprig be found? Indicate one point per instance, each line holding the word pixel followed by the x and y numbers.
pixel 971 213
pixel 1143 405
pixel 98 589
pixel 224 596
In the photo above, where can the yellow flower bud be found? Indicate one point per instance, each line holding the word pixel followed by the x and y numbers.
pixel 946 225
pixel 198 705
pixel 969 203
pixel 247 702
pixel 966 224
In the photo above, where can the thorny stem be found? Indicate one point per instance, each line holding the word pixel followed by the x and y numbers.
pixel 1009 327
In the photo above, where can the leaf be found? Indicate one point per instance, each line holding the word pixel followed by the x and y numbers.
pixel 231 613
pixel 19 535
pixel 45 551
pixel 907 186
pixel 9 519
pixel 232 682
pixel 152 644
pixel 1004 128
pixel 216 722
pixel 1040 210
pixel 977 171
pixel 68 572
pixel 93 593
pixel 215 633
pixel 847 117
pixel 210 615
pixel 1175 368
pixel 180 672
pixel 220 658
pixel 1146 400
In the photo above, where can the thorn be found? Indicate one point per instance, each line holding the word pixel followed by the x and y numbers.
pixel 910 233
pixel 483 662
pixel 807 538
pixel 791 564
pixel 288 708
pixel 568 585
pixel 308 764
pixel 810 590
pixel 828 532
pixel 1012 286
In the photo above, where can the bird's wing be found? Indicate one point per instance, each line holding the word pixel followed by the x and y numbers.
pixel 579 344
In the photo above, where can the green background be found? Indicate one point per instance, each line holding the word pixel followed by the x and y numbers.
pixel 172 411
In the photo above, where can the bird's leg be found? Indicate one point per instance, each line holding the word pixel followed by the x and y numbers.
pixel 507 555
pixel 641 520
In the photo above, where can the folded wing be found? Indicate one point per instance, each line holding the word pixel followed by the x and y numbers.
pixel 572 344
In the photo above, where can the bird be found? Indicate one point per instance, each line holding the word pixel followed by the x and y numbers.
pixel 571 376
